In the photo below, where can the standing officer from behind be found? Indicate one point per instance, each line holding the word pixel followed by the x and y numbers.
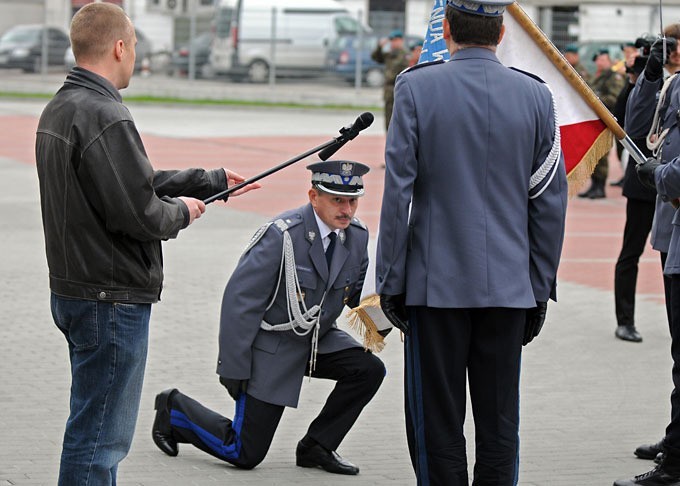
pixel 467 271
pixel 278 324
pixel 105 211
pixel 395 61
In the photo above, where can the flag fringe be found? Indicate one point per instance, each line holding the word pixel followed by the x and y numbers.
pixel 362 323
pixel 584 169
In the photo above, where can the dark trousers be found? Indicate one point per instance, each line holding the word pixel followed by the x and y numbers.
pixel 667 291
pixel 443 346
pixel 245 440
pixel 672 439
pixel 639 216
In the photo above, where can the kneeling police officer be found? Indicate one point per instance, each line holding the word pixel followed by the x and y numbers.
pixel 278 325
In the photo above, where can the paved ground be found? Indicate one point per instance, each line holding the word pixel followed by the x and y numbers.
pixel 587 399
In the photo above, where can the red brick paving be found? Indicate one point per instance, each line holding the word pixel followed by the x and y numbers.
pixel 594 228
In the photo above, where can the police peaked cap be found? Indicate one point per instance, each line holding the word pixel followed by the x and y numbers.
pixel 339 177
pixel 487 8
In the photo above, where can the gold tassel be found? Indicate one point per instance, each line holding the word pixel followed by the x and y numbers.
pixel 582 172
pixel 362 319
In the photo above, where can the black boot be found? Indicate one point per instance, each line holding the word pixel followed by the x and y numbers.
pixel 597 190
pixel 586 193
pixel 656 477
pixel 649 451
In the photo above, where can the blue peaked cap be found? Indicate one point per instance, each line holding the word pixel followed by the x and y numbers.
pixel 487 8
pixel 339 177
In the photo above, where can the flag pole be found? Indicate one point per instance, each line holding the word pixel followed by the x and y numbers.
pixel 575 80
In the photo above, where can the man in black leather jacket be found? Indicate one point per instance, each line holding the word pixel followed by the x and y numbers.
pixel 105 212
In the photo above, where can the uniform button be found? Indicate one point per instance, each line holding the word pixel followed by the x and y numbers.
pixel 345 300
pixel 219 361
pixel 347 288
pixel 380 278
pixel 102 295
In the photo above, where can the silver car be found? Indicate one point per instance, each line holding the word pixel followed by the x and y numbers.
pixel 21 47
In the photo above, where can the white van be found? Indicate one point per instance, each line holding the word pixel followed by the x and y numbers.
pixel 303 32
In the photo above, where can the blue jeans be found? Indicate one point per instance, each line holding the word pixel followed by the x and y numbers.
pixel 107 345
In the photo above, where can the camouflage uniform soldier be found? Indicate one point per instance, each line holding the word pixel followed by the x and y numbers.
pixel 395 61
pixel 607 85
pixel 572 56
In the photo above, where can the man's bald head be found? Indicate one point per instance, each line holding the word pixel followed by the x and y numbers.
pixel 96 28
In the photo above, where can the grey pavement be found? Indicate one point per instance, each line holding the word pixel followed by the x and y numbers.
pixel 587 399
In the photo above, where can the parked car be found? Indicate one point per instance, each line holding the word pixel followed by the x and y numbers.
pixel 343 59
pixel 179 64
pixel 304 30
pixel 21 47
pixel 143 51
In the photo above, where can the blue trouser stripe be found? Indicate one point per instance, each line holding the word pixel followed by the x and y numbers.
pixel 415 400
pixel 227 451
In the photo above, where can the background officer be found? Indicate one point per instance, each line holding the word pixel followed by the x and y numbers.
pixel 475 255
pixel 264 354
pixel 607 84
pixel 396 59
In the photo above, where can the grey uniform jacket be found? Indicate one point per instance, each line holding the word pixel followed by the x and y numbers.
pixel 274 362
pixel 639 115
pixel 465 138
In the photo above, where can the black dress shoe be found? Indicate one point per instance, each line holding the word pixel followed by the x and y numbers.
pixel 655 477
pixel 649 451
pixel 161 432
pixel 629 333
pixel 330 461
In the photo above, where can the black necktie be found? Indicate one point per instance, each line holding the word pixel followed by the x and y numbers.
pixel 331 246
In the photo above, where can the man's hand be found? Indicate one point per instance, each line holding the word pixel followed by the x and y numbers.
pixel 233 178
pixel 534 321
pixel 234 387
pixel 645 172
pixel 196 207
pixel 394 308
pixel 657 56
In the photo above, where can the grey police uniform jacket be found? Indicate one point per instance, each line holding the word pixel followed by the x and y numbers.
pixel 274 362
pixel 639 115
pixel 668 175
pixel 465 138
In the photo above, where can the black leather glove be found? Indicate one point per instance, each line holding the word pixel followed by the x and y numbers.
pixel 234 387
pixel 385 332
pixel 654 66
pixel 394 308
pixel 534 321
pixel 645 172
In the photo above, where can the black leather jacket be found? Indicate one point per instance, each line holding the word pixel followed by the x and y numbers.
pixel 104 209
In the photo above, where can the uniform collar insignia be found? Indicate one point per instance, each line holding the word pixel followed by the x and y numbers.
pixel 342 237
pixel 311 236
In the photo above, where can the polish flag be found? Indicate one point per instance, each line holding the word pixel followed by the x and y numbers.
pixel 585 123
